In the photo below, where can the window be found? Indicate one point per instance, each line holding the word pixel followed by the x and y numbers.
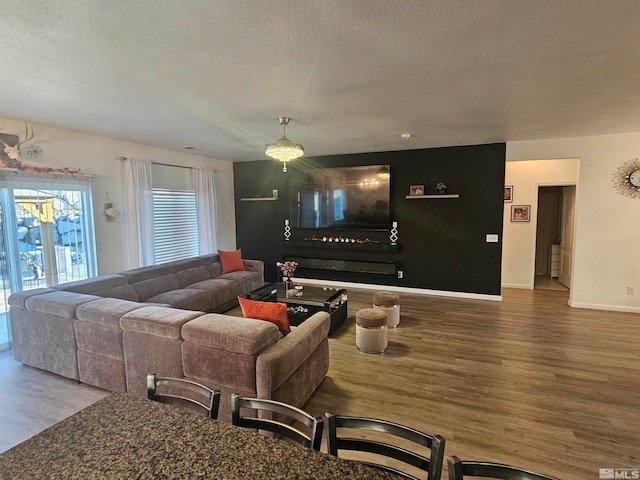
pixel 47 235
pixel 175 225
pixel 338 205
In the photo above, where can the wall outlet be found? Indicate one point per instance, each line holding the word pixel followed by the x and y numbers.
pixel 631 290
pixel 400 274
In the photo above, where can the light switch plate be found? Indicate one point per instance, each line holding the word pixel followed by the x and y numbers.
pixel 492 238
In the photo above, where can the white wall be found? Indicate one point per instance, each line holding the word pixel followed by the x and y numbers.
pixel 607 235
pixel 519 238
pixel 100 156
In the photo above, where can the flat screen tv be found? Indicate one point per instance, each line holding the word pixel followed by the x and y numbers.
pixel 348 198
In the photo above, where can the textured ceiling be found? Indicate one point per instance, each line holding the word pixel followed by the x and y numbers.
pixel 352 74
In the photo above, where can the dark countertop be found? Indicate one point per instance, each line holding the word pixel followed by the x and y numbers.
pixel 125 437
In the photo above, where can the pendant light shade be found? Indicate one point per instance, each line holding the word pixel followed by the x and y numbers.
pixel 284 149
pixel 384 173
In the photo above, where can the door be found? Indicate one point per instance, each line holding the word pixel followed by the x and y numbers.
pixel 46 236
pixel 566 235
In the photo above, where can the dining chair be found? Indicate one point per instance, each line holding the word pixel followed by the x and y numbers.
pixel 311 437
pixel 339 440
pixel 174 390
pixel 459 469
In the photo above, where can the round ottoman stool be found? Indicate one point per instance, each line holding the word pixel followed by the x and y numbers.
pixel 371 330
pixel 389 303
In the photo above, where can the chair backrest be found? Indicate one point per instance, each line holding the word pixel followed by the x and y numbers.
pixel 432 464
pixel 311 438
pixel 201 399
pixel 459 469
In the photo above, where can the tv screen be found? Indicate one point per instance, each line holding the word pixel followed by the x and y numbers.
pixel 340 198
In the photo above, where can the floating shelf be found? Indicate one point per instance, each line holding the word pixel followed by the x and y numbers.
pixel 416 197
pixel 257 199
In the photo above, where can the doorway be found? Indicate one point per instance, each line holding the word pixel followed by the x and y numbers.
pixel 554 237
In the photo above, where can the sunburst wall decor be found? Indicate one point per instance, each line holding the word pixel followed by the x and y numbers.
pixel 626 180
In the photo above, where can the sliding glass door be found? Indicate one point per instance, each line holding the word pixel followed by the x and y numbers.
pixel 47 236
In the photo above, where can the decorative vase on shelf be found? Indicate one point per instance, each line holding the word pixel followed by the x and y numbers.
pixel 442 191
pixel 289 284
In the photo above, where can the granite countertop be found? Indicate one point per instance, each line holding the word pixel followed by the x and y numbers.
pixel 125 437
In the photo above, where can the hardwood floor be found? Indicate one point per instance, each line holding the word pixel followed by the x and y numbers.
pixel 32 400
pixel 527 381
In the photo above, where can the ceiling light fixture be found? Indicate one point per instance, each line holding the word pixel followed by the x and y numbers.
pixel 284 149
pixel 370 184
pixel 384 173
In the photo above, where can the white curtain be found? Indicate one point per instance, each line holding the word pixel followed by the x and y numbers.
pixel 204 184
pixel 138 212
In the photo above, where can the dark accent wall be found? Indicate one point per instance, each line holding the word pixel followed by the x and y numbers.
pixel 442 242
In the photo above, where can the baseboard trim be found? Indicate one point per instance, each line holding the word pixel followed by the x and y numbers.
pixel 611 308
pixel 521 286
pixel 393 288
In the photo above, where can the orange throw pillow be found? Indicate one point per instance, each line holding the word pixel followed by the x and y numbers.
pixel 231 261
pixel 273 312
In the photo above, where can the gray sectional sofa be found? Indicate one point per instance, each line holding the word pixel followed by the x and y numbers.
pixel 111 330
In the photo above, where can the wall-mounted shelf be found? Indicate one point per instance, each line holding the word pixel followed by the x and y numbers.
pixel 416 197
pixel 258 199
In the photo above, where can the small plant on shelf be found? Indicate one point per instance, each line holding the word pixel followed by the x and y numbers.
pixel 441 187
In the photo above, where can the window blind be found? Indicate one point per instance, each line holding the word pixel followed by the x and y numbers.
pixel 175 225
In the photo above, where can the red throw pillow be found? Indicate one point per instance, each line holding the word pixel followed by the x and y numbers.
pixel 273 312
pixel 231 261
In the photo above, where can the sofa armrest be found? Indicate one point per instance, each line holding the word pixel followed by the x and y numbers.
pixel 278 362
pixel 254 266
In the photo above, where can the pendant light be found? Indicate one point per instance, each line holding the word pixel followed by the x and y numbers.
pixel 284 149
pixel 384 173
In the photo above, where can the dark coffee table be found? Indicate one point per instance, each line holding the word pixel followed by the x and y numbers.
pixel 304 303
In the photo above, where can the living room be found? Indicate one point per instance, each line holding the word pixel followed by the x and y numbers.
pixel 599 157
pixel 457 261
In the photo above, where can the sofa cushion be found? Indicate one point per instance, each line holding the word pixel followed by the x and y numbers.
pixel 155 286
pixel 187 298
pixel 214 268
pixel 159 321
pixel 192 275
pixel 274 312
pixel 59 304
pixel 145 273
pixel 106 311
pixel 123 292
pixel 91 285
pixel 231 261
pixel 183 264
pixel 221 291
pixel 19 299
pixel 246 280
pixel 209 258
pixel 232 334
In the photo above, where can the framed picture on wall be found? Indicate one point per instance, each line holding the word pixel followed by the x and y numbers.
pixel 416 190
pixel 508 193
pixel 520 213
